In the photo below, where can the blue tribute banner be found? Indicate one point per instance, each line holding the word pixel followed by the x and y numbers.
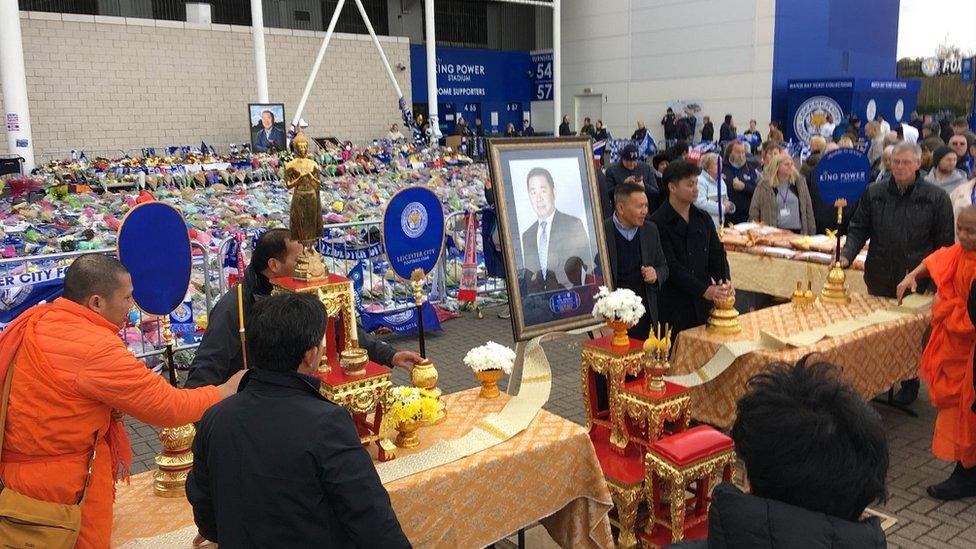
pixel 842 173
pixel 403 321
pixel 19 292
pixel 340 250
pixel 413 231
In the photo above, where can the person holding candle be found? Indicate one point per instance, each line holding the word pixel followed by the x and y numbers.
pixel 782 198
pixel 220 355
pixel 709 191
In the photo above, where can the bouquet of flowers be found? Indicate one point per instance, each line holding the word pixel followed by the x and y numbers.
pixel 490 356
pixel 409 405
pixel 621 305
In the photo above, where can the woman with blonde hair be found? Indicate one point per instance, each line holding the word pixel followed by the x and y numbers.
pixel 708 195
pixel 782 198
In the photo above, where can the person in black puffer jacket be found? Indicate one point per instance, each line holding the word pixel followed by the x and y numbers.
pixel 793 429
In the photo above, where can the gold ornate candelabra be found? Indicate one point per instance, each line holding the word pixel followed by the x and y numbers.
pixel 835 289
pixel 176 455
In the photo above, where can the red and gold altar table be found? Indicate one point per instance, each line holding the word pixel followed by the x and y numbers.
pixel 549 473
pixel 871 359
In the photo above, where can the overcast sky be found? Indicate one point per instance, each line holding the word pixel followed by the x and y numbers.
pixel 924 24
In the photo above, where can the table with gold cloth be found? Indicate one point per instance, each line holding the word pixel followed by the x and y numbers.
pixel 778 276
pixel 871 359
pixel 549 473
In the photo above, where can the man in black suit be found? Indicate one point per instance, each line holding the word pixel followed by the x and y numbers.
pixel 698 271
pixel 269 138
pixel 636 258
pixel 277 465
pixel 556 248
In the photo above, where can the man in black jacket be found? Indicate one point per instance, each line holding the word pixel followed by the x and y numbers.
pixel 277 465
pixel 792 429
pixel 219 354
pixel 906 219
pixel 630 169
pixel 636 259
pixel 698 272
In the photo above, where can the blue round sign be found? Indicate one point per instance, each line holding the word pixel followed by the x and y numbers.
pixel 154 246
pixel 413 231
pixel 842 173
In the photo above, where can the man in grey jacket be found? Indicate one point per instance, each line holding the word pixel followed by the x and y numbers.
pixel 906 219
pixel 219 354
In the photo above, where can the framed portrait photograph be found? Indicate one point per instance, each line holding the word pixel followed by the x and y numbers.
pixel 267 122
pixel 550 231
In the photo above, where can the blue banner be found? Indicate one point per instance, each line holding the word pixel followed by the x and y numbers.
pixel 542 76
pixel 403 321
pixel 339 250
pixel 842 173
pixel 413 231
pixel 22 291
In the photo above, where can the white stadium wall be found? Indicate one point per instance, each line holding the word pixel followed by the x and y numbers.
pixel 102 84
pixel 632 57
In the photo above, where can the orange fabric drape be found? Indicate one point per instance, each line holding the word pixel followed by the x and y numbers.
pixel 71 372
pixel 947 363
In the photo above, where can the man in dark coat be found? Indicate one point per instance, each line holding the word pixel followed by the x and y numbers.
pixel 708 129
pixel 698 272
pixel 741 177
pixel 634 246
pixel 727 131
pixel 792 428
pixel 906 219
pixel 669 127
pixel 556 248
pixel 277 465
pixel 630 169
pixel 219 354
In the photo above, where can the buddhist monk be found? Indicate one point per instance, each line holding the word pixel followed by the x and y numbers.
pixel 73 378
pixel 947 362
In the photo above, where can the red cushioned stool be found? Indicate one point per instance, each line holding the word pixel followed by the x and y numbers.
pixel 677 464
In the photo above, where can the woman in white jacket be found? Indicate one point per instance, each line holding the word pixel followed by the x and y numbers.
pixel 707 200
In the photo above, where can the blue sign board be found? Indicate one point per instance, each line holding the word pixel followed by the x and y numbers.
pixel 842 173
pixel 155 247
pixel 542 76
pixel 810 101
pixel 413 231
pixel 967 69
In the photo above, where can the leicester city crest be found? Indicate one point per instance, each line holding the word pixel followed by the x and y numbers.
pixel 812 114
pixel 930 66
pixel 183 313
pixel 413 220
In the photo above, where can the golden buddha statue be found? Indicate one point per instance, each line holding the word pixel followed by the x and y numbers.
pixel 302 178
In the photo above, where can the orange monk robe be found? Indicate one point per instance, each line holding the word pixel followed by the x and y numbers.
pixel 947 363
pixel 70 372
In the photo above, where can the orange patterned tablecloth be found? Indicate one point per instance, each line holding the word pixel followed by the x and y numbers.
pixel 871 359
pixel 549 473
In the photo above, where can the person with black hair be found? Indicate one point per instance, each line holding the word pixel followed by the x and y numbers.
pixel 727 132
pixel 219 354
pixel 698 271
pixel 816 456
pixel 278 465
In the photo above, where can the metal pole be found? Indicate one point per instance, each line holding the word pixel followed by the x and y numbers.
pixel 556 67
pixel 13 79
pixel 260 63
pixel 376 42
pixel 433 120
pixel 318 63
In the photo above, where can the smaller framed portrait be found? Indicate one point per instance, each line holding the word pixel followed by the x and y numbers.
pixel 267 121
pixel 550 230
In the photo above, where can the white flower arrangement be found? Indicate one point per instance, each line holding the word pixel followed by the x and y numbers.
pixel 623 305
pixel 490 356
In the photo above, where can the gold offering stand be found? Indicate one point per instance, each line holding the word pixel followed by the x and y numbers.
pixel 724 318
pixel 348 377
pixel 175 459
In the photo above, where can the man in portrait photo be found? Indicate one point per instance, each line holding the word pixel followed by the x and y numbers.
pixel 269 137
pixel 555 248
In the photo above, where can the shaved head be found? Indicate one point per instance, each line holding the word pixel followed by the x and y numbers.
pixel 92 274
pixel 966 228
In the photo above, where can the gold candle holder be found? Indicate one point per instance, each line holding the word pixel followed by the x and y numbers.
pixel 835 289
pixel 657 348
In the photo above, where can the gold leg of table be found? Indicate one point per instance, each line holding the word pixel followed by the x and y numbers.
pixel 626 500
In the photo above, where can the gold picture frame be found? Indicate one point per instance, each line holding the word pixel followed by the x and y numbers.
pixel 546 297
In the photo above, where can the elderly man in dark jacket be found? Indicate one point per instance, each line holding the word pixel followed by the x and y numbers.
pixel 277 465
pixel 636 259
pixel 219 355
pixel 698 272
pixel 792 429
pixel 906 219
